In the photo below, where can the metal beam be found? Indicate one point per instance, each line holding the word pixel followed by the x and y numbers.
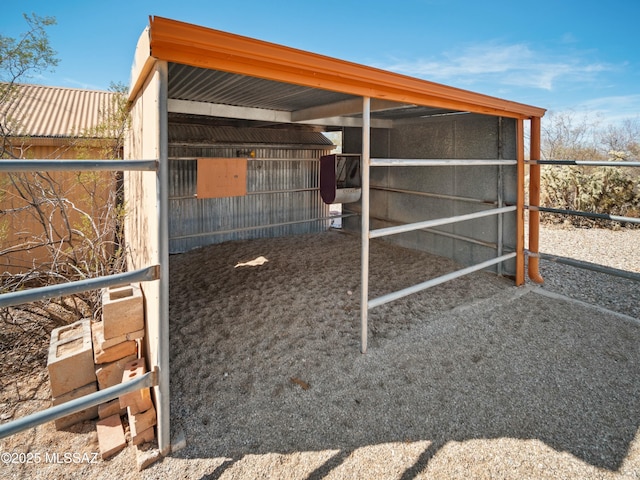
pixel 348 122
pixel 227 111
pixel 52 291
pixel 410 227
pixel 77 165
pixel 264 115
pixel 585 163
pixel 580 213
pixel 441 196
pixel 436 162
pixel 594 267
pixel 437 281
pixel 259 227
pixel 342 108
pixel 149 379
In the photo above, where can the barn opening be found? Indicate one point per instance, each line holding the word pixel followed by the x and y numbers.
pixel 237 127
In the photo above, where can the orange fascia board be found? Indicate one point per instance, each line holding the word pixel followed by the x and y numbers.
pixel 188 44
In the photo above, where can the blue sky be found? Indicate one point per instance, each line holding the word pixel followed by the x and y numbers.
pixel 561 55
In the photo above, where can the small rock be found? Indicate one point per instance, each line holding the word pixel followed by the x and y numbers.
pixel 146 454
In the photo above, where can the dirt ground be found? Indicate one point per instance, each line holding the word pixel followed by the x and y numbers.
pixel 471 379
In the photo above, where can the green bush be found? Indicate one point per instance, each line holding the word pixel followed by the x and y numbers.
pixel 614 191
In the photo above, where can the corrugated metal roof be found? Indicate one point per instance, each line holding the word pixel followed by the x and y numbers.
pixel 199 84
pixel 42 111
pixel 213 86
pixel 204 134
pixel 284 67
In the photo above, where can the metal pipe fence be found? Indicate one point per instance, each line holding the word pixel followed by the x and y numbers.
pixel 594 267
pixel 367 234
pixel 437 162
pixel 260 227
pixel 437 281
pixel 581 213
pixel 440 196
pixel 77 165
pixel 437 222
pixel 585 163
pixel 146 380
pixel 9 299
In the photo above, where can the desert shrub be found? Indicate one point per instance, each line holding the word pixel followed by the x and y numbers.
pixel 614 191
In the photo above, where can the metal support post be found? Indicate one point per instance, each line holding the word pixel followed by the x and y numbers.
pixel 534 199
pixel 364 225
pixel 162 186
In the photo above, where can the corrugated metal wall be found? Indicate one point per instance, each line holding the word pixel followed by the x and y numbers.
pixel 454 137
pixel 282 197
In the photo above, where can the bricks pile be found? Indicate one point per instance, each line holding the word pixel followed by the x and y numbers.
pixel 71 369
pixel 86 356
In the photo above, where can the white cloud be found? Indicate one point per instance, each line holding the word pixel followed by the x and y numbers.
pixel 612 109
pixel 516 65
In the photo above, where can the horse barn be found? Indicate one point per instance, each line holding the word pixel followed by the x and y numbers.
pixel 238 125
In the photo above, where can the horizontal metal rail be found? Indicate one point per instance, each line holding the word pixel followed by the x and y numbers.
pixel 77 165
pixel 439 162
pixel 376 302
pixel 580 213
pixel 585 163
pixel 409 227
pixel 193 159
pixel 293 190
pixel 441 196
pixel 149 379
pixel 616 272
pixel 258 227
pixel 52 291
pixel 255 192
pixel 444 234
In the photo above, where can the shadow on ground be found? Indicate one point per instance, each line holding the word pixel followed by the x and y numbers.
pixel 509 364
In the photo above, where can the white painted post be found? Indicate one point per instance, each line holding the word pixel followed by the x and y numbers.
pixel 364 222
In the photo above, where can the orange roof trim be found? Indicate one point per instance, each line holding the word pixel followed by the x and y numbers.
pixel 188 44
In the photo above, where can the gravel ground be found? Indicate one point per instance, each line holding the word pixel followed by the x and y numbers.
pixel 619 249
pixel 472 379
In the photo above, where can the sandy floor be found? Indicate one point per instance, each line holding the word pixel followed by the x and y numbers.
pixel 472 379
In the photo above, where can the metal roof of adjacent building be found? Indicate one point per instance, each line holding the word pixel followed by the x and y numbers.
pixel 57 112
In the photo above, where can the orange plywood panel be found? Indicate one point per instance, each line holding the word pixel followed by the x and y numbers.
pixel 221 177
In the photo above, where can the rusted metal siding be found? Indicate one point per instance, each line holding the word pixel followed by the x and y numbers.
pixel 282 198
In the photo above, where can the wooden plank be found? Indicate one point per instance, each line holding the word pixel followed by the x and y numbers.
pixel 110 436
pixel 221 177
